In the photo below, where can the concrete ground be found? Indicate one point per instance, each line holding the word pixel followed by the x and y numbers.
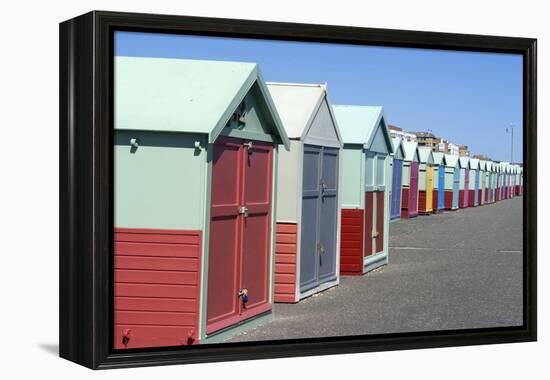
pixel 455 270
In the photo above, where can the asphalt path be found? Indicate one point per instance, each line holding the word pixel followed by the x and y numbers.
pixel 455 270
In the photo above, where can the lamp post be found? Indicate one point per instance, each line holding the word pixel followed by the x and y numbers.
pixel 512 147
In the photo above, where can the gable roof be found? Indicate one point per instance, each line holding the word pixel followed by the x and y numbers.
pixel 297 104
pixel 451 160
pixel 482 165
pixel 182 95
pixel 411 153
pixel 474 163
pixel 438 157
pixel 358 124
pixel 464 162
pixel 397 144
pixel 425 155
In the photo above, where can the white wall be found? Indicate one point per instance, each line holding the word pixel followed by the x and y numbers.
pixel 29 191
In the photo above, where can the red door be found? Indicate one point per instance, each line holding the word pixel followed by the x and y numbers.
pixel 380 216
pixel 239 231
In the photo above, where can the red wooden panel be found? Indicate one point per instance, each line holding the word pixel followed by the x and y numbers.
pixel 155 336
pixel 286 228
pixel 156 263
pixel 286 248
pixel 256 249
pixel 405 203
pixel 380 215
pixel 471 198
pixel 155 290
pixel 148 235
pixel 286 238
pixel 285 263
pixel 487 195
pixel 285 278
pixel 225 230
pixel 285 258
pixel 156 287
pixel 448 199
pixel 435 199
pixel 156 277
pixel 151 249
pixel 369 222
pixel 156 304
pixel 421 201
pixel 351 244
pixel 171 318
pixel 461 198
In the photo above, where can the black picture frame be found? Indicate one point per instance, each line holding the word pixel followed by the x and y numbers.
pixel 86 177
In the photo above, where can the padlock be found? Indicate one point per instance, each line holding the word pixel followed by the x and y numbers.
pixel 244 296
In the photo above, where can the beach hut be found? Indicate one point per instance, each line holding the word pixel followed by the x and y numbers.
pixel 308 215
pixel 482 191
pixel 499 180
pixel 195 152
pixel 473 195
pixel 409 196
pixel 492 167
pixel 438 182
pixel 425 180
pixel 521 180
pixel 397 172
pixel 463 194
pixel 452 181
pixel 366 182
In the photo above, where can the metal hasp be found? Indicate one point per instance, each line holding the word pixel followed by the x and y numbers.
pixel 244 211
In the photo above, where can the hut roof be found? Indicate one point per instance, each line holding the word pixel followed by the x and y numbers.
pixel 425 155
pixel 298 104
pixel 181 95
pixel 451 160
pixel 438 157
pixel 358 124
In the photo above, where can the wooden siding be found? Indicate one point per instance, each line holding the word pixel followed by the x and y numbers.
pixel 435 200
pixel 471 198
pixel 405 203
pixel 156 287
pixel 285 262
pixel 351 242
pixel 422 202
pixel 448 199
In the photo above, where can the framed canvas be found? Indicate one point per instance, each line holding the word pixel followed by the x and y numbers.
pixel 215 207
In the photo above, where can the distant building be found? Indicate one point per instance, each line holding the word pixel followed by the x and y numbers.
pixel 463 151
pixel 399 132
pixel 427 139
pixel 446 146
pixel 481 157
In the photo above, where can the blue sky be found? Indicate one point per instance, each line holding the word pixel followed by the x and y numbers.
pixel 466 97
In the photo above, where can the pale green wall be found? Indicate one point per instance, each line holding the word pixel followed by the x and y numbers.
pixel 352 176
pixel 406 174
pixel 422 176
pixel 472 184
pixel 436 177
pixel 449 177
pixel 289 182
pixel 257 126
pixel 161 184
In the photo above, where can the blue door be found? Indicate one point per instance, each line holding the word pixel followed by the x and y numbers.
pixel 396 189
pixel 456 184
pixel 476 194
pixel 319 216
pixel 441 188
pixel 328 217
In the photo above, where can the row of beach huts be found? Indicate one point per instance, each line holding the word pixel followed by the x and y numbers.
pixel 232 194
